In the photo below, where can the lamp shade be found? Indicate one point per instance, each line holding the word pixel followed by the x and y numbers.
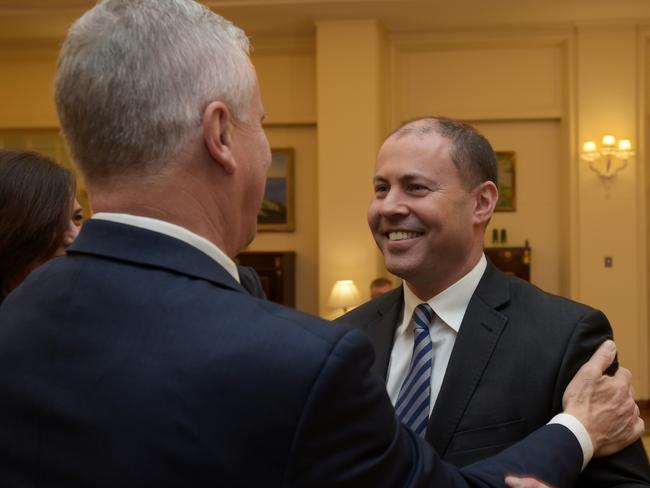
pixel 624 145
pixel 344 295
pixel 609 140
pixel 589 147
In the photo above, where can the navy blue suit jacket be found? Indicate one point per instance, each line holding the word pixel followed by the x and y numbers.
pixel 517 350
pixel 250 281
pixel 136 360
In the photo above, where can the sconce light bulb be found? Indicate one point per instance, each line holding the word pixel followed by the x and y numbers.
pixel 624 145
pixel 589 146
pixel 609 140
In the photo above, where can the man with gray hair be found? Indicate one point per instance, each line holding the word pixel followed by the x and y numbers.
pixel 138 358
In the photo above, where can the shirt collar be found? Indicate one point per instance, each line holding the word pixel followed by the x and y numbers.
pixel 175 231
pixel 450 304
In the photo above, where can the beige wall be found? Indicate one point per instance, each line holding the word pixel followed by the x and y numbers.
pixel 349 67
pixel 537 149
pixel 608 218
pixel 286 68
pixel 26 87
pixel 286 71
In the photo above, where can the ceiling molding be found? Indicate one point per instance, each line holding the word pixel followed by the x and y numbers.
pixel 299 17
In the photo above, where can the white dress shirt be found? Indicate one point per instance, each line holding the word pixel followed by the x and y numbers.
pixel 177 232
pixel 449 307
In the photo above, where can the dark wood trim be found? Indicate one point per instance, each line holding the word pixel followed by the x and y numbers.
pixel 277 273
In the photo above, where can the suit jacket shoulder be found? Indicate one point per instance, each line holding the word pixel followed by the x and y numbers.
pixel 250 280
pixel 517 350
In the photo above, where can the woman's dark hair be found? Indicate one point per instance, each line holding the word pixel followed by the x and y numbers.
pixel 36 196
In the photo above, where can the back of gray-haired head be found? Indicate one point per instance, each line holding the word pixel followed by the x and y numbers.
pixel 470 151
pixel 134 77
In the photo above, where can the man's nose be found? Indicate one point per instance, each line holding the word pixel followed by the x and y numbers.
pixel 393 205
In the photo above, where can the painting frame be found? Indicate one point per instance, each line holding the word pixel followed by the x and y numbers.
pixel 278 212
pixel 506 180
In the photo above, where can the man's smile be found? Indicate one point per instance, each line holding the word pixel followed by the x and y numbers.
pixel 402 235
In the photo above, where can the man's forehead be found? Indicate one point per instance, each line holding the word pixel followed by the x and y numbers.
pixel 417 128
pixel 425 140
pixel 409 152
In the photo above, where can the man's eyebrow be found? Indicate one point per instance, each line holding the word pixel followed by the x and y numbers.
pixel 406 177
pixel 413 176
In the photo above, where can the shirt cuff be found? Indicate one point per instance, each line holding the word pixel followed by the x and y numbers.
pixel 578 430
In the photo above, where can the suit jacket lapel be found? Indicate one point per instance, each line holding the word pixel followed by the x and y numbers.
pixel 381 328
pixel 143 247
pixel 479 333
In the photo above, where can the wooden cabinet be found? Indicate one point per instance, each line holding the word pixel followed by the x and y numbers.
pixel 511 260
pixel 277 274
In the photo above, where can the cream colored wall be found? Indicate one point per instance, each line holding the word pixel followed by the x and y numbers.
pixel 644 172
pixel 349 88
pixel 286 68
pixel 608 220
pixel 29 46
pixel 537 148
pixel 286 71
pixel 478 75
pixel 26 87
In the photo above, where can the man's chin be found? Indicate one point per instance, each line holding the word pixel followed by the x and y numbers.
pixel 399 267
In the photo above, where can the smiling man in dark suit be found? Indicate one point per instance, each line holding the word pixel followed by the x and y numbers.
pixel 139 360
pixel 501 350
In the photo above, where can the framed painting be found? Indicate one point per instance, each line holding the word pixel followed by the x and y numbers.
pixel 506 181
pixel 277 212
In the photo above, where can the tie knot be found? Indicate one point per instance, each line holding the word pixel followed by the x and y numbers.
pixel 423 315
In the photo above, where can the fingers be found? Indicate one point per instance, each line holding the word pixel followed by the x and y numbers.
pixel 604 404
pixel 639 428
pixel 602 358
pixel 516 482
pixel 580 388
pixel 626 375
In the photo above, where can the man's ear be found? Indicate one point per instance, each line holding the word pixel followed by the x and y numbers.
pixel 486 200
pixel 217 134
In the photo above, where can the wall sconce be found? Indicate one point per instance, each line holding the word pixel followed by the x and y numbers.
pixel 344 295
pixel 610 158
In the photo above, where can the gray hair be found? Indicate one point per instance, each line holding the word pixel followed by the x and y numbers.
pixel 470 151
pixel 134 77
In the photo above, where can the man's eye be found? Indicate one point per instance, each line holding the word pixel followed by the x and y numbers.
pixel 416 188
pixel 381 189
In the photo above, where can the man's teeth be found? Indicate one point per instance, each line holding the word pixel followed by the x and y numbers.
pixel 400 236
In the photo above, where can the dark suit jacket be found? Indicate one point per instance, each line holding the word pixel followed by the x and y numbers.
pixel 136 360
pixel 517 349
pixel 250 281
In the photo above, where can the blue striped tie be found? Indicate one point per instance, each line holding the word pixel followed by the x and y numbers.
pixel 412 405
